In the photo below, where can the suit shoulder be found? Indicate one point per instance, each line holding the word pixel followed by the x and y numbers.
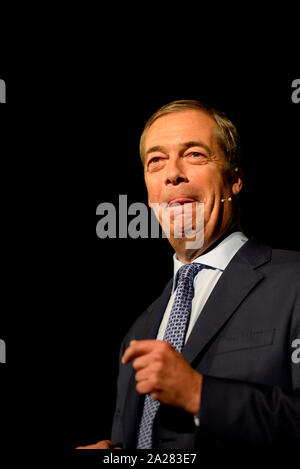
pixel 258 253
pixel 287 262
pixel 282 256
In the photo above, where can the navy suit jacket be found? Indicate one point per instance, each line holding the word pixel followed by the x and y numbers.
pixel 242 344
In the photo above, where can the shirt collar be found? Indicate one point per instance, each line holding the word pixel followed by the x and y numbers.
pixel 218 257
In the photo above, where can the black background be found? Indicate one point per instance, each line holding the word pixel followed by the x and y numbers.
pixel 116 279
pixel 85 146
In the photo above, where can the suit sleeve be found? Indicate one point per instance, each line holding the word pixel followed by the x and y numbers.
pixel 116 432
pixel 234 410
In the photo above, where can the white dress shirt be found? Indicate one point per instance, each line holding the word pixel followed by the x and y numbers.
pixel 206 279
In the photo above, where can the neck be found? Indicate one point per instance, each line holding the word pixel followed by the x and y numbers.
pixel 186 256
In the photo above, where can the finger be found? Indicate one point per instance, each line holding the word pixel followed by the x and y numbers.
pixel 142 374
pixel 156 395
pixel 142 362
pixel 152 370
pixel 103 444
pixel 137 348
pixel 145 387
pixel 88 447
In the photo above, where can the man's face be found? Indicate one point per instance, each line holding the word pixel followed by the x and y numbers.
pixel 184 163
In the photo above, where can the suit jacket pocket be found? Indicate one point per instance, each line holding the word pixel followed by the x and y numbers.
pixel 251 339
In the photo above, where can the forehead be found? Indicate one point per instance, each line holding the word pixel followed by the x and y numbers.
pixel 175 128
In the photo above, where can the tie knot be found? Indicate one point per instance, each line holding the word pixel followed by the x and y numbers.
pixel 189 271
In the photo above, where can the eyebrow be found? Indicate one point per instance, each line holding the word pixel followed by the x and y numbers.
pixel 183 146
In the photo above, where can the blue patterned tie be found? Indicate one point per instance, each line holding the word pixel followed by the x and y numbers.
pixel 175 335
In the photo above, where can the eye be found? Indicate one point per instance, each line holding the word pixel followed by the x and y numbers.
pixel 154 160
pixel 154 164
pixel 197 154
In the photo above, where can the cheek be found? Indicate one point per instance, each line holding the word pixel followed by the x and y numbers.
pixel 154 189
pixel 210 188
pixel 206 187
pixel 209 182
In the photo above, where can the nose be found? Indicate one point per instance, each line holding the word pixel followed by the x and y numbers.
pixel 174 173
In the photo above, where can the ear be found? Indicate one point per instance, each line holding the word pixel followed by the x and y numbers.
pixel 237 186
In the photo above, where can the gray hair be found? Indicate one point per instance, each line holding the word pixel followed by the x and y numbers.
pixel 226 132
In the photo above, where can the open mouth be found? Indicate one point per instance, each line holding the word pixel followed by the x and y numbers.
pixel 181 201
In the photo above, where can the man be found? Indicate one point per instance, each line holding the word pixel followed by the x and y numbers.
pixel 212 361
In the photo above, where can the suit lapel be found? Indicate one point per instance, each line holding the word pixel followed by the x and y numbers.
pixel 238 279
pixel 146 329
